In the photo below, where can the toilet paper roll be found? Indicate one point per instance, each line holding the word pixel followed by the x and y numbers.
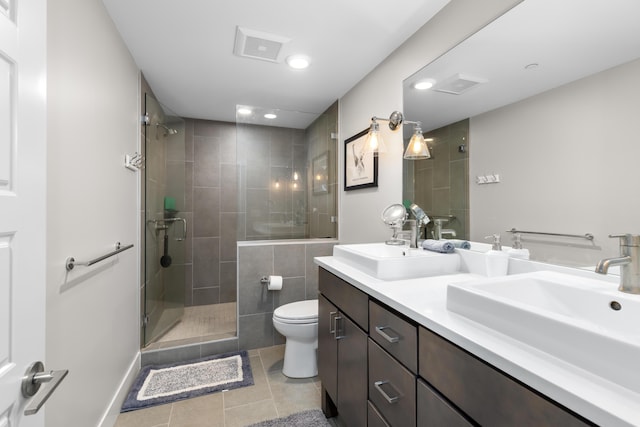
pixel 275 283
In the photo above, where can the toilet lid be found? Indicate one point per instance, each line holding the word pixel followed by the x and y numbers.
pixel 298 311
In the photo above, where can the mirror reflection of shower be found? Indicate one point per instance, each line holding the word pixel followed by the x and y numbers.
pixel 288 163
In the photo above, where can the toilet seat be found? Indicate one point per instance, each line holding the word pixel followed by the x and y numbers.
pixel 297 312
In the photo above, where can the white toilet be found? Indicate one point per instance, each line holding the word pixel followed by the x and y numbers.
pixel 298 322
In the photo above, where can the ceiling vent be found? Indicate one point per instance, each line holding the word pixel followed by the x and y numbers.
pixel 458 84
pixel 258 45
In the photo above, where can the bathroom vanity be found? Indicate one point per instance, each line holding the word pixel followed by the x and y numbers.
pixel 390 353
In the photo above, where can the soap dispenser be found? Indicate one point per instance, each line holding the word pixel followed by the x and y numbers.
pixel 497 261
pixel 517 251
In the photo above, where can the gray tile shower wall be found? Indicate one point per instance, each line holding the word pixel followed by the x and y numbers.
pixel 294 262
pixel 212 212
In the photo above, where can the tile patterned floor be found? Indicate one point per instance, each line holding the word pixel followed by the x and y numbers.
pixel 273 395
pixel 200 323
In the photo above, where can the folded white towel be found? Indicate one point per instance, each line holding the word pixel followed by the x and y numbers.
pixel 442 246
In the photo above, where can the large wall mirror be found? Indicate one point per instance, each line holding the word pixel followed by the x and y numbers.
pixel 546 99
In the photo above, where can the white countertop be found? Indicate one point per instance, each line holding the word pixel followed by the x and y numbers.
pixel 424 301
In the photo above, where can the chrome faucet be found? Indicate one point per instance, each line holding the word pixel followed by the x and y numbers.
pixel 438 231
pixel 629 260
pixel 411 234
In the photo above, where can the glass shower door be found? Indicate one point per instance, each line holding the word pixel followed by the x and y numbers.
pixel 165 225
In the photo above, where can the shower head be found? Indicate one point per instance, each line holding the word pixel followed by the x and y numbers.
pixel 170 131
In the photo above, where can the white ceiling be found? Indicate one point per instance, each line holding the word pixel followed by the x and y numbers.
pixel 568 39
pixel 185 50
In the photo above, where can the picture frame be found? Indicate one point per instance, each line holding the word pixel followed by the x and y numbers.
pixel 320 171
pixel 360 167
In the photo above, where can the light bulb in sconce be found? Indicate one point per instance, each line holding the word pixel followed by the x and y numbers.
pixel 277 184
pixel 417 148
pixel 296 176
pixel 374 142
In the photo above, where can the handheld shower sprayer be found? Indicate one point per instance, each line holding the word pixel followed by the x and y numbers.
pixel 419 214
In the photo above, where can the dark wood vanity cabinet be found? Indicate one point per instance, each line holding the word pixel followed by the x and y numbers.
pixel 379 368
pixel 342 349
pixel 482 392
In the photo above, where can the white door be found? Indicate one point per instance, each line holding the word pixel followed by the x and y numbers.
pixel 22 201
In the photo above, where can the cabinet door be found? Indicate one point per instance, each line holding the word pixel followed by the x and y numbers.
pixel 352 372
pixel 327 349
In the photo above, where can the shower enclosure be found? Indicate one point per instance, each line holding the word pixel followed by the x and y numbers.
pixel 226 182
pixel 165 224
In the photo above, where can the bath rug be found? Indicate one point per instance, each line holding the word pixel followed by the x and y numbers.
pixel 311 418
pixel 160 384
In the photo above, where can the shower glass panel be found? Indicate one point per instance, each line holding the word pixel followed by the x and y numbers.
pixel 286 175
pixel 165 223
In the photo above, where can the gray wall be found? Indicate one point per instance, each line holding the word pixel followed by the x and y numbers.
pixel 294 262
pixel 212 212
pixel 568 161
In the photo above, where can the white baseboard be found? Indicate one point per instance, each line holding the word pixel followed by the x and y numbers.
pixel 113 410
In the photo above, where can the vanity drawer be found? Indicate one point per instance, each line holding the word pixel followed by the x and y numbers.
pixel 392 388
pixel 374 419
pixel 436 411
pixel 482 392
pixel 350 300
pixel 396 335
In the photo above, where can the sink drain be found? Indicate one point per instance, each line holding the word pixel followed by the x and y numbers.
pixel 615 305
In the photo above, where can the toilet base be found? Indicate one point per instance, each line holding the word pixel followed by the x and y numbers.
pixel 300 359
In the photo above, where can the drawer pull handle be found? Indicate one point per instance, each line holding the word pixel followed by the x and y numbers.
pixel 378 385
pixel 332 322
pixel 338 333
pixel 381 330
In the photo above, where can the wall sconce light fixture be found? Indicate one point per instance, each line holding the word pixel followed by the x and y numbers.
pixel 374 142
pixel 417 148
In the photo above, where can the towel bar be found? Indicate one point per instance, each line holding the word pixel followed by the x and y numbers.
pixel 71 262
pixel 587 236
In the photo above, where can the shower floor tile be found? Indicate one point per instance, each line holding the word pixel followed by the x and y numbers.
pixel 200 323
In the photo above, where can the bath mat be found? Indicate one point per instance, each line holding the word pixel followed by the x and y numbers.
pixel 160 384
pixel 311 418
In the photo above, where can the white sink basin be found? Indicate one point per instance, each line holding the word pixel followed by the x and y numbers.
pixel 569 317
pixel 387 262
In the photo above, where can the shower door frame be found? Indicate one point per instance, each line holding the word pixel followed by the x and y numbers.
pixel 163 288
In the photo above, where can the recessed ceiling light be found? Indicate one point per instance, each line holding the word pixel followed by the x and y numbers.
pixel 298 62
pixel 244 111
pixel 423 84
pixel 270 116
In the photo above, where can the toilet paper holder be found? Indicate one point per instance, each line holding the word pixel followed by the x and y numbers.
pixel 264 280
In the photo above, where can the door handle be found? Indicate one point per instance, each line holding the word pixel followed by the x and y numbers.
pixel 332 324
pixel 33 379
pixel 339 331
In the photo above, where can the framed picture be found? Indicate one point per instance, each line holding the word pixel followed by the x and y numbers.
pixel 360 166
pixel 320 169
